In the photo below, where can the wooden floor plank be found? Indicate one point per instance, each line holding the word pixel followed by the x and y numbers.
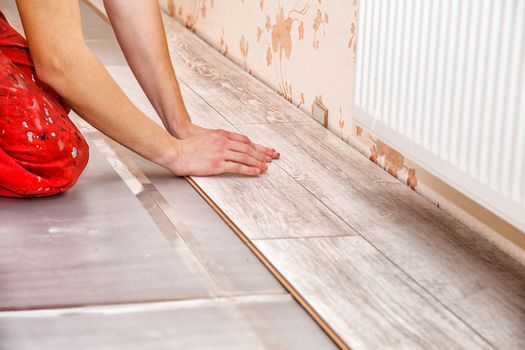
pixel 239 97
pixel 277 203
pixel 200 111
pixel 365 298
pixel 474 279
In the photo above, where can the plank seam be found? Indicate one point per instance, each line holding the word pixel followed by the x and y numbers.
pixel 297 296
pixel 215 282
pixel 166 304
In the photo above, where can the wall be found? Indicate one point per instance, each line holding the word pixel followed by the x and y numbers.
pixel 305 50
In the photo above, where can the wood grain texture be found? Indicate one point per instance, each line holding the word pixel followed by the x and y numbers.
pixel 473 278
pixel 370 302
pixel 275 201
pixel 200 111
pixel 239 97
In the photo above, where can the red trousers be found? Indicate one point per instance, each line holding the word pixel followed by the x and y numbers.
pixel 41 151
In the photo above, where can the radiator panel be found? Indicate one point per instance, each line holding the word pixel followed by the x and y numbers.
pixel 443 83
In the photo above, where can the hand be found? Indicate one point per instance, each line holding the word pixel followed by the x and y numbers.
pixel 212 152
pixel 193 130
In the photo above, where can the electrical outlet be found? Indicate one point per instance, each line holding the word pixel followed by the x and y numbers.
pixel 320 113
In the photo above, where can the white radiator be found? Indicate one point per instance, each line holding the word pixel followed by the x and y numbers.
pixel 443 83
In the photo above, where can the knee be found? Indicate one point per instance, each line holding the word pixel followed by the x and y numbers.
pixel 76 164
pixel 65 163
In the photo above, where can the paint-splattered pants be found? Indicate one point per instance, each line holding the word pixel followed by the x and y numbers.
pixel 41 151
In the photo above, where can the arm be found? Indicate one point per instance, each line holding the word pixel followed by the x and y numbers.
pixel 143 41
pixel 63 61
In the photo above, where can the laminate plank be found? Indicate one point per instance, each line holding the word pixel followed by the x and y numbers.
pixel 365 298
pixel 87 247
pixel 272 205
pixel 264 323
pixel 469 275
pixel 232 91
pixel 239 97
pixel 200 111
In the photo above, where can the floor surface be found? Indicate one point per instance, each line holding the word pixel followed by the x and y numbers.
pixel 375 264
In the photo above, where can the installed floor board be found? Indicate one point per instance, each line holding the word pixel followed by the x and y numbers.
pixel 233 92
pixel 313 153
pixel 366 299
pixel 278 204
pixel 194 324
pixel 82 248
pixel 441 254
pixel 272 206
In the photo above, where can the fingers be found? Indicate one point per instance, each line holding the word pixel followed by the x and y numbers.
pixel 237 168
pixel 269 152
pixel 246 159
pixel 245 140
pixel 240 138
pixel 244 148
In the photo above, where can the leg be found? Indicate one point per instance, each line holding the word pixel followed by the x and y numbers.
pixel 41 151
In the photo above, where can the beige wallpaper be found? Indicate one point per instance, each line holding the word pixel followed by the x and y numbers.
pixel 305 50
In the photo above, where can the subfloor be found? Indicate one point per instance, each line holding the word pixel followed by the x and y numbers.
pixel 135 258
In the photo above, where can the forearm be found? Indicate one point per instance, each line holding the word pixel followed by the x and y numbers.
pixel 63 61
pixel 143 42
pixel 87 87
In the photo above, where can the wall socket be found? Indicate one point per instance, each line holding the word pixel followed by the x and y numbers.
pixel 320 113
